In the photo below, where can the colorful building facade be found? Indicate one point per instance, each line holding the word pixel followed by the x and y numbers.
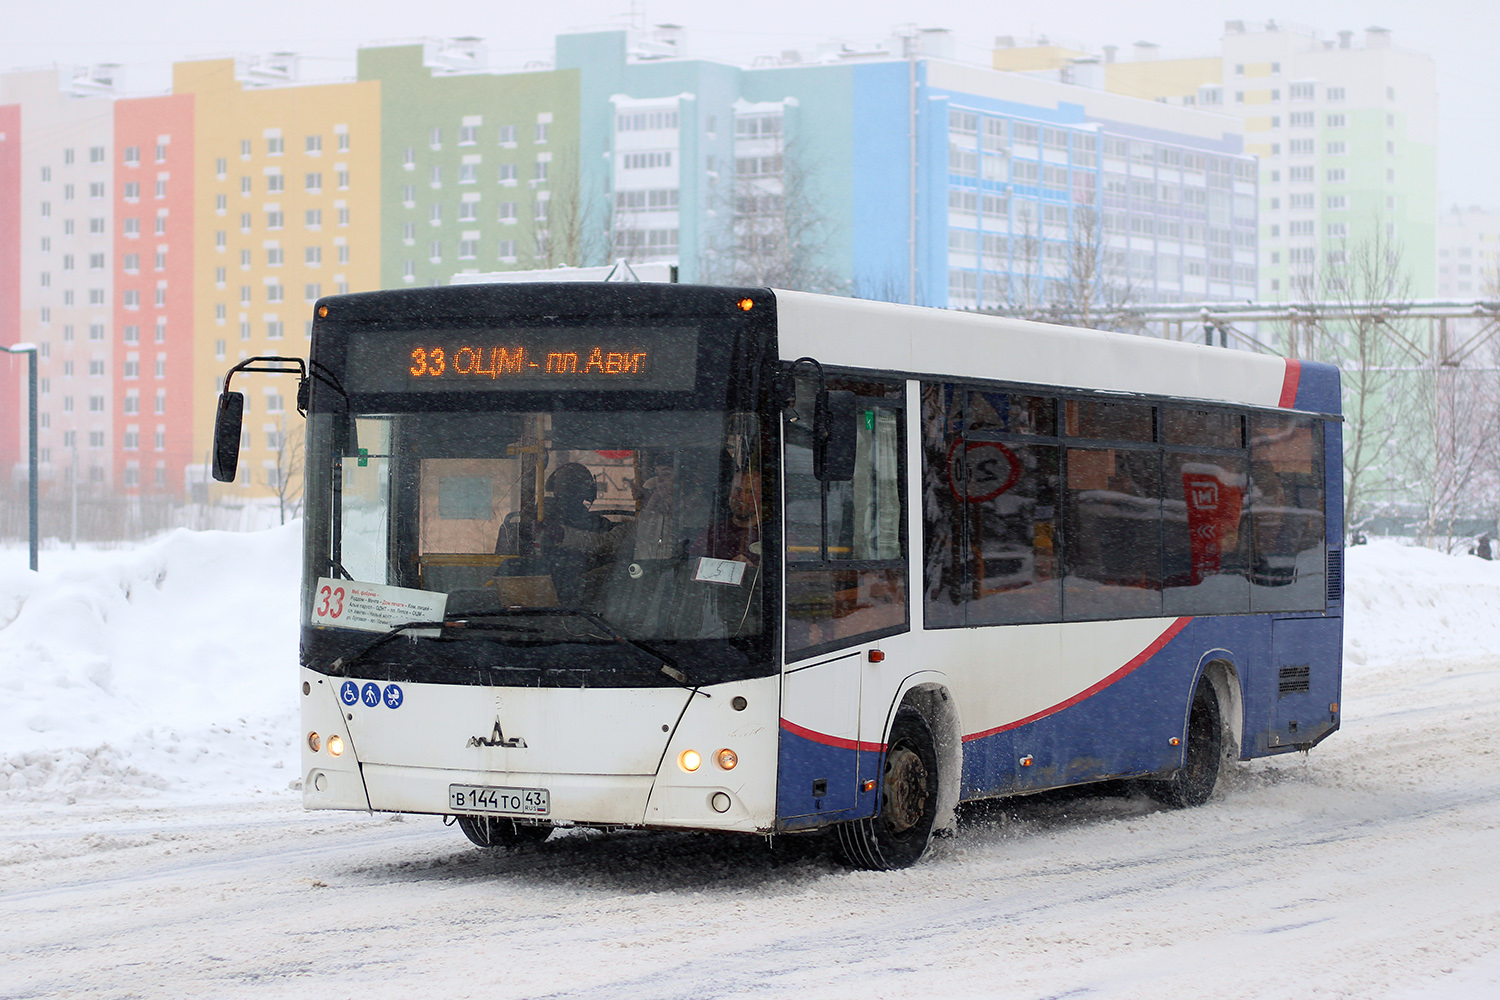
pixel 286 208
pixel 478 171
pixel 152 263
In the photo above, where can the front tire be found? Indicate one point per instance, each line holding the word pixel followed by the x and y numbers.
pixel 493 832
pixel 1194 781
pixel 898 835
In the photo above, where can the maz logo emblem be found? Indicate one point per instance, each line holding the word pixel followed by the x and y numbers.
pixel 497 739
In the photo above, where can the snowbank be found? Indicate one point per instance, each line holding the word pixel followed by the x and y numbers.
pixel 163 669
pixel 169 669
pixel 1407 603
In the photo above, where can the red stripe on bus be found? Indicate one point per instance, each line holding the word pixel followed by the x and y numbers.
pixel 1289 383
pixel 830 741
pixel 1135 661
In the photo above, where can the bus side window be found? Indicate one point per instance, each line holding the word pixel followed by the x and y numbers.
pixel 990 508
pixel 1286 513
pixel 846 570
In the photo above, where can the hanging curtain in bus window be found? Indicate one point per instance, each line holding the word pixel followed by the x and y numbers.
pixel 1112 532
pixel 1286 512
pixel 365 503
pixel 846 576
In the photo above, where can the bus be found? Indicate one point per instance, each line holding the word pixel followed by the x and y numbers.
pixel 747 560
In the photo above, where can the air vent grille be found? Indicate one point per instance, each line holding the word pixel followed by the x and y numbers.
pixel 1335 576
pixel 1295 679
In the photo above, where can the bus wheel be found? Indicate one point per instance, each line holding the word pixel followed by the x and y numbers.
pixel 898 835
pixel 1194 782
pixel 498 831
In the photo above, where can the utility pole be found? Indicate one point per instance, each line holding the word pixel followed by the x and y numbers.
pixel 30 349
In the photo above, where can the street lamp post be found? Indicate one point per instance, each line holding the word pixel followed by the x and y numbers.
pixel 30 349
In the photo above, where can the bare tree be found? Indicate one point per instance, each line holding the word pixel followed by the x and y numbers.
pixel 1086 281
pixel 564 226
pixel 284 477
pixel 1376 352
pixel 776 232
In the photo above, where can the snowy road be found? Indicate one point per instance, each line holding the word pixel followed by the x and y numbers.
pixel 1367 869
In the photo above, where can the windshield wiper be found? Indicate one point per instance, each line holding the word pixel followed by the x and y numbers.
pixel 336 668
pixel 668 664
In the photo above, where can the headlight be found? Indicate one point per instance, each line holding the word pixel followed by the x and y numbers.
pixel 335 745
pixel 689 760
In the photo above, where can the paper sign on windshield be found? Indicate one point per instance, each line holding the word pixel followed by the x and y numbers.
pixel 374 607
pixel 726 571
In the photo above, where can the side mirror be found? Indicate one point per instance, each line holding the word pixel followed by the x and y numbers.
pixel 227 435
pixel 836 433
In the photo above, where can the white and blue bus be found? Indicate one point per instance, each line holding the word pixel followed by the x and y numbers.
pixel 755 561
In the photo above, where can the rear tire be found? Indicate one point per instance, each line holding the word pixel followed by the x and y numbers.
pixel 1194 781
pixel 898 835
pixel 493 832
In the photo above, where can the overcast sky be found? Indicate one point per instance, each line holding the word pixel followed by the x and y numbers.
pixel 148 35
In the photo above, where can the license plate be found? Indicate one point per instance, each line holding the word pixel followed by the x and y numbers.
pixel 510 801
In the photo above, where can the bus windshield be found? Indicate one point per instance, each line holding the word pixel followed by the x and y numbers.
pixel 647 521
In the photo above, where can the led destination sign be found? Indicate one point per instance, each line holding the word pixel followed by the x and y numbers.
pixel 650 359
pixel 471 361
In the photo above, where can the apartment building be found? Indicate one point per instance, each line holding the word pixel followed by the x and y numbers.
pixel 64 122
pixel 1346 132
pixel 152 311
pixel 286 209
pixel 479 171
pixel 900 173
pixel 1468 253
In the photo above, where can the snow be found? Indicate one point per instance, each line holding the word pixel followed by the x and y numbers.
pixel 160 670
pixel 150 843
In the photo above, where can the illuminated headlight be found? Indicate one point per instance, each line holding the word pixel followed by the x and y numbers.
pixel 314 742
pixel 335 745
pixel 726 759
pixel 689 760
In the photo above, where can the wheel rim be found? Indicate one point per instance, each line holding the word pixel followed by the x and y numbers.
pixel 905 790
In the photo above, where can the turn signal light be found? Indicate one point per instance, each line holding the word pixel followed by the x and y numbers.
pixel 322 312
pixel 689 760
pixel 314 742
pixel 746 305
pixel 335 745
pixel 726 759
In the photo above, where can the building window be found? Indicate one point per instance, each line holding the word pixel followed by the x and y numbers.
pixel 275 146
pixel 314 144
pixel 507 135
pixel 274 220
pixel 468 135
pixel 313 182
pixel 274 293
pixel 313 292
pixel 1337 121
pixel 507 174
pixel 273 331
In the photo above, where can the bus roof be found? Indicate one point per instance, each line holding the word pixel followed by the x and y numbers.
pixel 857 333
